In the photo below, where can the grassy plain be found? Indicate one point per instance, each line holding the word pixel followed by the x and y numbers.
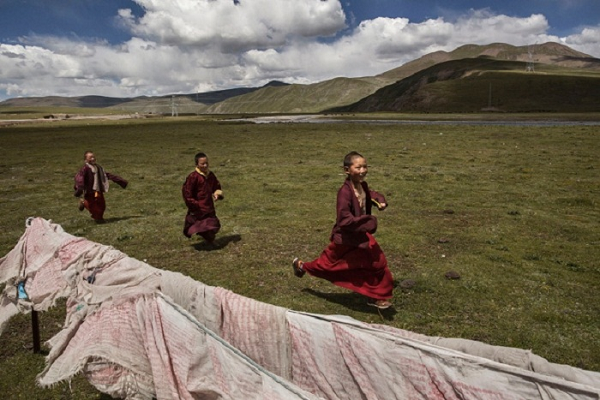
pixel 11 113
pixel 513 209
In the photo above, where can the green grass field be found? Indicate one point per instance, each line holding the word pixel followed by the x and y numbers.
pixel 514 210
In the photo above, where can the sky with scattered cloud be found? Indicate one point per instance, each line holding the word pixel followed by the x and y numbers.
pixel 129 48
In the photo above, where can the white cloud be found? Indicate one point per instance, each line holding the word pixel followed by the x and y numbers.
pixel 587 41
pixel 185 46
pixel 481 26
pixel 391 40
pixel 234 27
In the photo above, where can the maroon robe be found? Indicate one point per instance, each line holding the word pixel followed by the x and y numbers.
pixel 201 217
pixel 94 200
pixel 353 259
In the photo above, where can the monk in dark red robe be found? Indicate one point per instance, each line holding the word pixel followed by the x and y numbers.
pixel 353 258
pixel 92 182
pixel 200 191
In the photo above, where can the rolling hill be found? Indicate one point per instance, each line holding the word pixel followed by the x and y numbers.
pixel 485 84
pixel 186 103
pixel 312 98
pixel 559 73
pixel 472 78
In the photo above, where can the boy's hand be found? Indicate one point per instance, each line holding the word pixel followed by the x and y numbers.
pixel 380 206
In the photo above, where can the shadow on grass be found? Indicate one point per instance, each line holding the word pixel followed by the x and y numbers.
pixel 353 301
pixel 43 352
pixel 218 244
pixel 117 219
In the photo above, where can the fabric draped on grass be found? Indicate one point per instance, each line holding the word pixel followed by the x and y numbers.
pixel 141 332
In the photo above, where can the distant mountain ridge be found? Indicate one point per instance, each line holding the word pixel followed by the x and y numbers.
pixel 543 78
pixel 485 84
pixel 547 53
pixel 471 78
pixel 93 101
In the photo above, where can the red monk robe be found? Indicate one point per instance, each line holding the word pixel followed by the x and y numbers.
pixel 353 260
pixel 198 191
pixel 94 199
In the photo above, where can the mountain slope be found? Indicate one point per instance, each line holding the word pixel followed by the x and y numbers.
pixel 299 98
pixel 143 104
pixel 338 94
pixel 547 53
pixel 485 84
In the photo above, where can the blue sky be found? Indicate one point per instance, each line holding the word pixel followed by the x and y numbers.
pixel 126 48
pixel 564 16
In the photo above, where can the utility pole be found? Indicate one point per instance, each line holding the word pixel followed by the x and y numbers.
pixel 530 63
pixel 173 107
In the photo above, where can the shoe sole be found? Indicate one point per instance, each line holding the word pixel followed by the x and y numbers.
pixel 380 306
pixel 297 271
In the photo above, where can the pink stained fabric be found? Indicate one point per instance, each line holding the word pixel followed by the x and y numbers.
pixel 141 332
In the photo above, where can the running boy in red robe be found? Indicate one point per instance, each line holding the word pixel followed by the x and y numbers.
pixel 92 182
pixel 200 191
pixel 353 259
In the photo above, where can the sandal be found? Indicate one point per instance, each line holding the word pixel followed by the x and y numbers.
pixel 297 265
pixel 381 304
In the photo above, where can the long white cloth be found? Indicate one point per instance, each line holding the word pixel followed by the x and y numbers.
pixel 142 332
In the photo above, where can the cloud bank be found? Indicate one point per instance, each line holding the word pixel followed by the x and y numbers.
pixel 204 45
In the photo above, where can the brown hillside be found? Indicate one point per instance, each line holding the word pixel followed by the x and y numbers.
pixel 547 53
pixel 479 84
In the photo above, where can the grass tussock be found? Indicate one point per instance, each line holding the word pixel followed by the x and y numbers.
pixel 514 210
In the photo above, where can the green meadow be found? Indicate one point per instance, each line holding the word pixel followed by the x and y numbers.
pixel 514 210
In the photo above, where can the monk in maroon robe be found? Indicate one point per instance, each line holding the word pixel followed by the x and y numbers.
pixel 200 191
pixel 92 182
pixel 353 259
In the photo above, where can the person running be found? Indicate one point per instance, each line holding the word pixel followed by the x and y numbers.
pixel 353 258
pixel 91 182
pixel 200 191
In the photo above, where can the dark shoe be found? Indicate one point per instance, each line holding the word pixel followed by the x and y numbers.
pixel 81 205
pixel 99 221
pixel 381 304
pixel 297 265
